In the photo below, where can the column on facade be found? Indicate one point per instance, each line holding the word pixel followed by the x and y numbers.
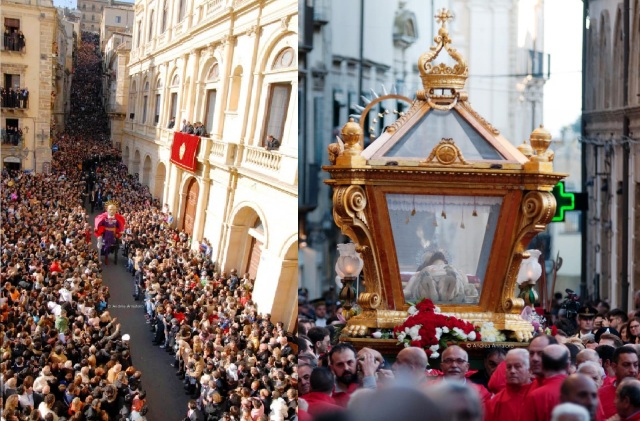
pixel 191 95
pixel 226 232
pixel 258 78
pixel 166 100
pixel 182 95
pixel 287 290
pixel 227 45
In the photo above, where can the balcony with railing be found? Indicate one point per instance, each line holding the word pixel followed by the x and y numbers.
pixel 14 42
pixel 11 140
pixel 276 164
pixel 14 100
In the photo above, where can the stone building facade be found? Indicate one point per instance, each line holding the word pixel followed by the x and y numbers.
pixel 230 64
pixel 611 150
pixel 34 66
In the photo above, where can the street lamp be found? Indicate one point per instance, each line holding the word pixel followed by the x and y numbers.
pixel 348 268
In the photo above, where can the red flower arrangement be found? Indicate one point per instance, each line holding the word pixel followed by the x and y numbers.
pixel 431 330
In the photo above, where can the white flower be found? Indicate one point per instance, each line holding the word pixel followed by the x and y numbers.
pixel 472 336
pixel 435 355
pixel 438 333
pixel 414 332
pixel 412 310
pixel 436 309
pixel 445 329
pixel 401 336
pixel 434 348
pixel 490 333
pixel 459 333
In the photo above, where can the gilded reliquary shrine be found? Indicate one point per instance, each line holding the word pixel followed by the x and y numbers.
pixel 440 205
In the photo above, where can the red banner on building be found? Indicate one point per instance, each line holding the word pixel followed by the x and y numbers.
pixel 184 150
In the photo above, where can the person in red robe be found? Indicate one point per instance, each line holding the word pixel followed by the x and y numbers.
pixel 319 399
pixel 628 402
pixel 109 227
pixel 455 365
pixel 580 390
pixel 540 402
pixel 498 380
pixel 507 404
pixel 624 364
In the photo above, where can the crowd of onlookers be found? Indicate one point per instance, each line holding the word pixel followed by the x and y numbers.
pixel 63 355
pixel 585 368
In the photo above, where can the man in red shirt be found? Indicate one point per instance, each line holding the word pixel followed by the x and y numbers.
pixel 581 390
pixel 624 365
pixel 319 399
pixel 540 402
pixel 344 365
pixel 455 365
pixel 628 400
pixel 507 404
pixel 498 380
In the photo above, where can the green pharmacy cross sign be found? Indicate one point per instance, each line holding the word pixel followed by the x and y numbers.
pixel 565 201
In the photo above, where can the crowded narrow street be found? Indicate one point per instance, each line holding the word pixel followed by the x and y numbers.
pixel 128 320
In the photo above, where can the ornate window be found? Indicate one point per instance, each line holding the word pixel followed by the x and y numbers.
pixel 285 59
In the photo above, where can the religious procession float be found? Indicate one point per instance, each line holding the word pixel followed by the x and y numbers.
pixel 440 209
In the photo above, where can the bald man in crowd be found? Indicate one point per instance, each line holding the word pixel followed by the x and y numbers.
pixel 587 355
pixel 625 365
pixel 628 400
pixel 555 368
pixel 411 365
pixel 507 404
pixel 581 390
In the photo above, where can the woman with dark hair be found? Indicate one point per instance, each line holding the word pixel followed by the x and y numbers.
pixel 626 335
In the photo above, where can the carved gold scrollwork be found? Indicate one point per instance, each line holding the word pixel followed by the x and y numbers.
pixel 537 211
pixel 369 300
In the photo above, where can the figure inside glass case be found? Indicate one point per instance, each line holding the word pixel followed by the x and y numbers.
pixel 439 281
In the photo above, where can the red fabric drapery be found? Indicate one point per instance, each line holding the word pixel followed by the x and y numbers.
pixel 184 149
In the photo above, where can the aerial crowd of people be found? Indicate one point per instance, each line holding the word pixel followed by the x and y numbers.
pixel 64 355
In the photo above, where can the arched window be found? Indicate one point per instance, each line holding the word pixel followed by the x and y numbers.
pixel 214 72
pixel 176 80
pixel 285 59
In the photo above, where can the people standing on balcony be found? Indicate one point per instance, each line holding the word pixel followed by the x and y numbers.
pixel 13 40
pixel 172 123
pixel 183 129
pixel 24 98
pixel 199 129
pixel 272 143
pixel 7 37
pixel 21 41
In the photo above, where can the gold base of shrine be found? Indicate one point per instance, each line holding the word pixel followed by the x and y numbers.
pixel 364 324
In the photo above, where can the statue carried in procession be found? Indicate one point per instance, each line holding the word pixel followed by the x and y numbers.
pixel 109 227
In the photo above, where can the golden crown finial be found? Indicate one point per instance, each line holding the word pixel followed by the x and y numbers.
pixel 441 76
